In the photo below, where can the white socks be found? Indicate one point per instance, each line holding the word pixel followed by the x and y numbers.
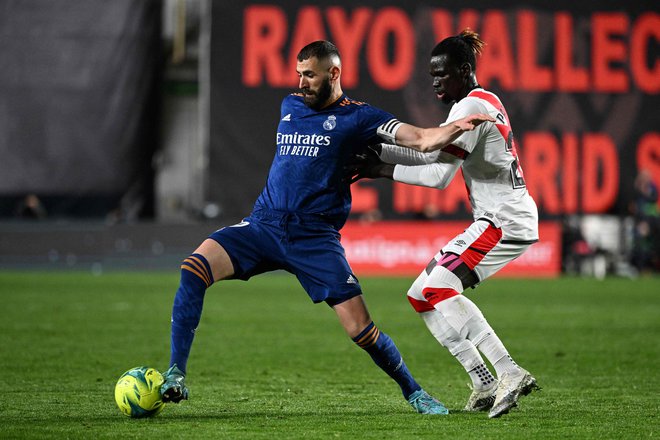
pixel 465 316
pixel 462 349
pixel 458 324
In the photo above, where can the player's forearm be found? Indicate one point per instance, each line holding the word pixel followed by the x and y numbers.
pixel 405 156
pixel 433 139
pixel 429 139
pixel 424 140
pixel 436 175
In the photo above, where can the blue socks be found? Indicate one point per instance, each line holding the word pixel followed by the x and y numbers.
pixel 196 277
pixel 382 350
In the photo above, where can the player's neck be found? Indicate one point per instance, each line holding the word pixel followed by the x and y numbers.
pixel 468 88
pixel 336 94
pixel 473 86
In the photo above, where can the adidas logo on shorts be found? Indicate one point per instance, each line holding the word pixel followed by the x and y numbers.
pixel 351 280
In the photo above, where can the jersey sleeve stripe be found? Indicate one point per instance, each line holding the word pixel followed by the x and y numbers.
pixel 456 151
pixel 388 130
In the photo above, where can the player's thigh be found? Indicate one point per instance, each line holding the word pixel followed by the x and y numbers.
pixel 454 267
pixel 498 257
pixel 248 248
pixel 318 260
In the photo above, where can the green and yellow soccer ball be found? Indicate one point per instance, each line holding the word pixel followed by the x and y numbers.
pixel 137 392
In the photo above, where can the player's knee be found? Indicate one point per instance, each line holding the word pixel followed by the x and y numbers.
pixel 435 295
pixel 424 297
pixel 415 291
pixel 197 267
pixel 216 259
pixel 367 337
pixel 419 305
pixel 415 296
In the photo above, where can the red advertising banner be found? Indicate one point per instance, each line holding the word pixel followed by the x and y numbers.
pixel 404 248
pixel 580 82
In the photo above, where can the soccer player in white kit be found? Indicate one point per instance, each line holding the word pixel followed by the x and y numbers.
pixel 505 221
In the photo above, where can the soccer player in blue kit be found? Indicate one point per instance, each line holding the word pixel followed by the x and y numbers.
pixel 295 223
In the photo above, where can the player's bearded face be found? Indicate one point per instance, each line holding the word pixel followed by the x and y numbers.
pixel 316 98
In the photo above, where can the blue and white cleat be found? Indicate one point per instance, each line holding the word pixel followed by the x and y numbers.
pixel 424 403
pixel 174 388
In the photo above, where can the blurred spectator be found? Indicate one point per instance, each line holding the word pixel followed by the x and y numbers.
pixel 30 207
pixel 429 212
pixel 645 204
pixel 576 252
pixel 372 216
pixel 647 223
pixel 132 204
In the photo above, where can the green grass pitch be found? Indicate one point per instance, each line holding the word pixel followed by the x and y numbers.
pixel 267 363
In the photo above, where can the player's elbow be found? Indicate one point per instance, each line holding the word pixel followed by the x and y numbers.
pixel 425 147
pixel 442 176
pixel 437 180
pixel 431 183
pixel 442 183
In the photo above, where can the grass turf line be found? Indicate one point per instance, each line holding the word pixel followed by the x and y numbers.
pixel 267 363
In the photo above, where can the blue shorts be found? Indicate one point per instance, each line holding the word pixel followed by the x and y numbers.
pixel 305 246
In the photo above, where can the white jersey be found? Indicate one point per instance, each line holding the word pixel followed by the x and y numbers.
pixel 491 168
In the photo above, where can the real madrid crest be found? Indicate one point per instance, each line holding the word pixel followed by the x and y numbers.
pixel 330 123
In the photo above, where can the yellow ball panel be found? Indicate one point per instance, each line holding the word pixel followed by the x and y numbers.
pixel 137 392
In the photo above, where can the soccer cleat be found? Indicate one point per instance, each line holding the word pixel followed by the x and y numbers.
pixel 510 389
pixel 426 404
pixel 174 388
pixel 481 400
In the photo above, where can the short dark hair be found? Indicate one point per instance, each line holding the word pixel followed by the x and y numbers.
pixel 320 49
pixel 461 48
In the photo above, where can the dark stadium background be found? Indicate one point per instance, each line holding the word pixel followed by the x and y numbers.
pixel 129 130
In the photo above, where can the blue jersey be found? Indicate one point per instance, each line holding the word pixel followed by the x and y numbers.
pixel 313 146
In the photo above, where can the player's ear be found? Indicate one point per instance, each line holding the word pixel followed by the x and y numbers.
pixel 466 70
pixel 335 72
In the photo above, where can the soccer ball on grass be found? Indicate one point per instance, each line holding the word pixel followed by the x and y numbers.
pixel 137 392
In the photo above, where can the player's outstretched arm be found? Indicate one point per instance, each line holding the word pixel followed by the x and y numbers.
pixel 390 153
pixel 430 139
pixel 368 165
pixel 432 174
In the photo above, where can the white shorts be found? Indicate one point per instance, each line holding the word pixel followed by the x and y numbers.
pixel 482 249
pixel 468 259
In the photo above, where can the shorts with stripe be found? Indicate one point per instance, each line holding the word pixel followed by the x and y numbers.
pixel 305 246
pixel 482 249
pixel 471 257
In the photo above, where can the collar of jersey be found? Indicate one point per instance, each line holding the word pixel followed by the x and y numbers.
pixel 335 104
